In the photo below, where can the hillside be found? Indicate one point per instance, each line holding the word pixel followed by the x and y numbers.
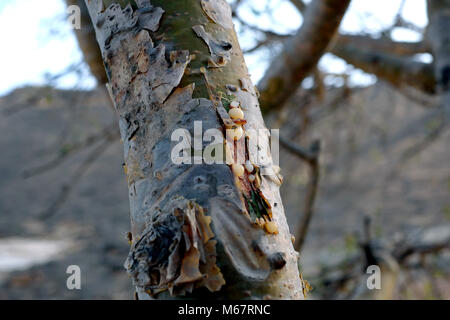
pixel 63 194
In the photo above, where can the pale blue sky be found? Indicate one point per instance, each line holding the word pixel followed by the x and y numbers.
pixel 37 41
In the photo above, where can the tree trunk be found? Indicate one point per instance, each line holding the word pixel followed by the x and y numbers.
pixel 197 230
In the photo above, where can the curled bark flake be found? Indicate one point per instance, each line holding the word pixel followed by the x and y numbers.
pixel 175 252
pixel 113 21
pixel 246 85
pixel 220 50
pixel 149 16
pixel 164 76
pixel 219 11
pixel 190 271
pixel 127 60
pixel 223 115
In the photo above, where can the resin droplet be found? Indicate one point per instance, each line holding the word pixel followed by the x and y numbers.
pixel 249 166
pixel 236 133
pixel 238 169
pixel 236 113
pixel 271 227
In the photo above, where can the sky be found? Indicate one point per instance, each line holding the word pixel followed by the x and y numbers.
pixel 37 42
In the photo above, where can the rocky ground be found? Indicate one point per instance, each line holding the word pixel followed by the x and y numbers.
pixel 63 194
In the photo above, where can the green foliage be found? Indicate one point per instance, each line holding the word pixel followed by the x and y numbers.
pixel 256 206
pixel 226 100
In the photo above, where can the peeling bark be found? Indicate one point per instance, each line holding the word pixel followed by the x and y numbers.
pixel 301 53
pixel 197 229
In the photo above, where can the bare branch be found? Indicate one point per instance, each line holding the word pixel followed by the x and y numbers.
pixel 88 43
pixel 79 173
pixel 299 4
pixel 108 133
pixel 383 45
pixel 301 53
pixel 311 157
pixel 307 155
pixel 398 71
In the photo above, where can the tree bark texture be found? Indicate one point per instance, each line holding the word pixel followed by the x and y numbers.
pixel 301 53
pixel 197 230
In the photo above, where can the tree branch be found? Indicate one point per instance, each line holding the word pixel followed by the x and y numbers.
pixel 300 5
pixel 310 156
pixel 383 45
pixel 67 189
pixel 301 53
pixel 108 133
pixel 396 70
pixel 88 43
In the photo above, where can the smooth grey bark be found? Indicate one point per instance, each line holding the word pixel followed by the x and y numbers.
pixel 197 230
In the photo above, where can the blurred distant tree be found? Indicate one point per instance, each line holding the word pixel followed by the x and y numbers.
pixel 389 60
pixel 88 44
pixel 438 36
